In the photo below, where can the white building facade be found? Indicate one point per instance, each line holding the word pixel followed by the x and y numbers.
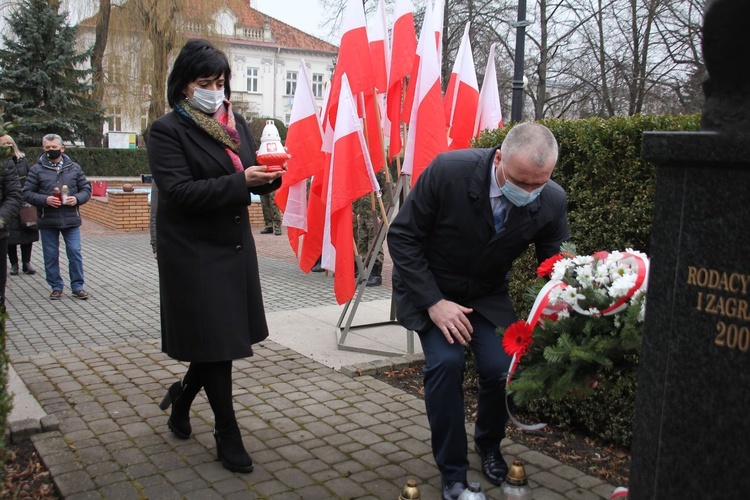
pixel 264 53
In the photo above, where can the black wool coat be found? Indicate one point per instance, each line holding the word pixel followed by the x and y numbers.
pixel 19 235
pixel 211 302
pixel 444 246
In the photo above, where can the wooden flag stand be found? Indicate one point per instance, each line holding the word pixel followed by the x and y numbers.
pixel 344 324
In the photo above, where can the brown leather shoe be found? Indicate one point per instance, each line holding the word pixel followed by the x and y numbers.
pixel 81 294
pixel 55 295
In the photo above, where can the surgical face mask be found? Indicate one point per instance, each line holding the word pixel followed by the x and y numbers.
pixel 53 154
pixel 516 195
pixel 206 100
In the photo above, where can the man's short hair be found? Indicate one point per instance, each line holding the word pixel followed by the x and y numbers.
pixel 52 137
pixel 534 140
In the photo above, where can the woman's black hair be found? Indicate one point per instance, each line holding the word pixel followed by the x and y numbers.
pixel 197 59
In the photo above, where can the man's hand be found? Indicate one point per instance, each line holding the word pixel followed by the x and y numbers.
pixel 71 201
pixel 452 321
pixel 53 201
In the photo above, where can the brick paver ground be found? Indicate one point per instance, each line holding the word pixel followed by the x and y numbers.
pixel 313 432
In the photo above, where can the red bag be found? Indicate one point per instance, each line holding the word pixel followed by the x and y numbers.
pixel 99 188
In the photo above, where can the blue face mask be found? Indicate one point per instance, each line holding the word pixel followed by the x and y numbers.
pixel 516 195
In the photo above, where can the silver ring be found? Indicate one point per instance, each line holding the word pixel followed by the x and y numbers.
pixel 451 327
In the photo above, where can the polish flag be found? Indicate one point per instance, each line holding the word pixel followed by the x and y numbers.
pixel 489 114
pixel 427 31
pixel 353 59
pixel 349 176
pixel 304 140
pixel 426 138
pixel 438 16
pixel 379 48
pixel 462 97
pixel 312 243
pixel 403 49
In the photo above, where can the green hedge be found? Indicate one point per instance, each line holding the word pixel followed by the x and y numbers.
pixel 610 203
pixel 5 398
pixel 102 162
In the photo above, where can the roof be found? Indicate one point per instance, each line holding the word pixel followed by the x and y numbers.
pixel 284 35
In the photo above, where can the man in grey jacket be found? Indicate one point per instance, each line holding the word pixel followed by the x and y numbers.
pixel 58 213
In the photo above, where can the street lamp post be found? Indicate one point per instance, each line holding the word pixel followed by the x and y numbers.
pixel 520 25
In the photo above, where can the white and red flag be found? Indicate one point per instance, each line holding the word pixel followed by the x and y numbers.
pixel 348 177
pixel 489 114
pixel 403 49
pixel 462 97
pixel 379 46
pixel 438 17
pixel 426 138
pixel 304 140
pixel 353 59
pixel 426 33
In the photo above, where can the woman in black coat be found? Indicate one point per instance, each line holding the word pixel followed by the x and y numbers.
pixel 202 157
pixel 19 236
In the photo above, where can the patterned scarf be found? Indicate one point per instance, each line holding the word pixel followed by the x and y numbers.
pixel 221 127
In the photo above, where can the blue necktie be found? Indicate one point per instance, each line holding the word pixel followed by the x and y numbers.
pixel 498 212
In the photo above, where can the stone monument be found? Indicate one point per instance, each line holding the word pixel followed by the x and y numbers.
pixel 692 423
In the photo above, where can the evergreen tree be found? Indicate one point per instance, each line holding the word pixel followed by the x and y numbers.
pixel 42 77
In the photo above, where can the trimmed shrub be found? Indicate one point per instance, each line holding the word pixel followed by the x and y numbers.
pixel 256 128
pixel 103 162
pixel 610 203
pixel 5 398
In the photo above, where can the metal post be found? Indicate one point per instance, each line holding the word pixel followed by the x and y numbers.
pixel 517 104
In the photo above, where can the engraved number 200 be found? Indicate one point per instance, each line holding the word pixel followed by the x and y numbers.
pixel 732 336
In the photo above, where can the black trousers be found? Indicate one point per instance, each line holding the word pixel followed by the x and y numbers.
pixel 3 267
pixel 25 253
pixel 444 397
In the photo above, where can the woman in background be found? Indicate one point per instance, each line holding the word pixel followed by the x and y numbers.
pixel 202 157
pixel 23 236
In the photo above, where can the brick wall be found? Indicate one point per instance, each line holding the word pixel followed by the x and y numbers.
pixel 130 211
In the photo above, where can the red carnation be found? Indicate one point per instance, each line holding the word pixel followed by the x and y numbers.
pixel 545 268
pixel 517 338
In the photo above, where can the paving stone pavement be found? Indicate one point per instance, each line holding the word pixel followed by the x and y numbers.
pixel 313 432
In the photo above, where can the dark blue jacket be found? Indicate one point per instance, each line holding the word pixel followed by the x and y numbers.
pixel 43 177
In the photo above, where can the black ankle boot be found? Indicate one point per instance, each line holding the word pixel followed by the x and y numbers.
pixel 180 399
pixel 231 451
pixel 14 269
pixel 26 266
pixel 375 278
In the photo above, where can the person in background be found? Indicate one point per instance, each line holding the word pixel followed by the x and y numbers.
pixel 202 157
pixel 471 213
pixel 10 202
pixel 271 215
pixel 52 171
pixel 23 236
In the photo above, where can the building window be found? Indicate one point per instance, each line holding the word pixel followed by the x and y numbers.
pixel 113 70
pixel 144 120
pixel 317 85
pixel 115 119
pixel 291 82
pixel 287 119
pixel 252 79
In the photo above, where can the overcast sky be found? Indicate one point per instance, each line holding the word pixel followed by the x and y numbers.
pixel 306 15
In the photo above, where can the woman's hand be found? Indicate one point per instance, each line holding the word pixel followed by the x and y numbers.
pixel 257 175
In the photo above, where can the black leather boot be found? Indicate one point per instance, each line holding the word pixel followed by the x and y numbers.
pixel 180 396
pixel 26 266
pixel 14 269
pixel 231 451
pixel 375 278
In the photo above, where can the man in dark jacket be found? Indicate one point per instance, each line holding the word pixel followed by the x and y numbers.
pixel 59 214
pixel 10 202
pixel 471 214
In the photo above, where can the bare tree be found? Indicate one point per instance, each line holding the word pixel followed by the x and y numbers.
pixel 97 54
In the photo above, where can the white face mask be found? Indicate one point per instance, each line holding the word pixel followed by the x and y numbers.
pixel 206 100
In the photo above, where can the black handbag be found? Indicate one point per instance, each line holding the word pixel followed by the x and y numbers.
pixel 27 216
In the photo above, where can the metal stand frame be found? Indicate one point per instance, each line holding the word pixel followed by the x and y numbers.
pixel 350 308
